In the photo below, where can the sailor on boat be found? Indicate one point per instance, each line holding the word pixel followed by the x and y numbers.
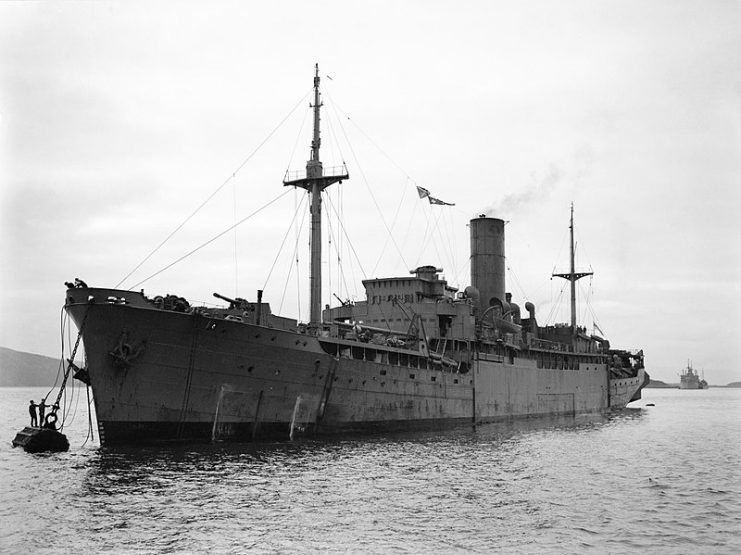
pixel 42 410
pixel 32 412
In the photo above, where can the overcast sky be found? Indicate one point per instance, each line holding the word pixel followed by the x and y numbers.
pixel 118 119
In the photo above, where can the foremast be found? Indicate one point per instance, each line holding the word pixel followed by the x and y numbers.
pixel 573 276
pixel 315 181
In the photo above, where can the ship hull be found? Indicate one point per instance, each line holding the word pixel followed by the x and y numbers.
pixel 160 376
pixel 692 385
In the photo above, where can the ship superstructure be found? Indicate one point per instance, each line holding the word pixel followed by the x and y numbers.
pixel 415 354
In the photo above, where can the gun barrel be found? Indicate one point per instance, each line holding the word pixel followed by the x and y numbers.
pixel 225 298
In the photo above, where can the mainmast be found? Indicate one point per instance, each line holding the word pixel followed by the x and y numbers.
pixel 315 180
pixel 573 276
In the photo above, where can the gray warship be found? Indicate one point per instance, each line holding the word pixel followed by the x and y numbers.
pixel 416 354
pixel 690 379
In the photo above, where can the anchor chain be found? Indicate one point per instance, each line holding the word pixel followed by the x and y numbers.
pixel 51 418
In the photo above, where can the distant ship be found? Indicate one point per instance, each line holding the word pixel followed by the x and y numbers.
pixel 690 379
pixel 415 354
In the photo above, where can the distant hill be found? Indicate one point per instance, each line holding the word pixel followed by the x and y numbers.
pixel 658 384
pixel 19 369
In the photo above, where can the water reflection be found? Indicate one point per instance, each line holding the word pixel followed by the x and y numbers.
pixel 151 469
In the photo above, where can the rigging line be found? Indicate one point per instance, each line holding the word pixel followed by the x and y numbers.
pixel 555 305
pixel 338 248
pixel 236 251
pixel 64 319
pixel 73 412
pixel 344 231
pixel 227 230
pixel 329 255
pixel 411 222
pixel 347 249
pixel 333 240
pixel 298 269
pixel 591 309
pixel 578 242
pixel 424 236
pixel 586 308
pixel 517 282
pixel 329 250
pixel 332 134
pixel 375 202
pixel 436 228
pixel 90 435
pixel 335 104
pixel 283 242
pixel 462 267
pixel 298 136
pixel 370 191
pixel 564 236
pixel 294 254
pixel 212 195
pixel 430 238
pixel 451 239
pixel 449 253
pixel 393 225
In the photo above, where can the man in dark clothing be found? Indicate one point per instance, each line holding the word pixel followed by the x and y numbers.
pixel 32 412
pixel 42 410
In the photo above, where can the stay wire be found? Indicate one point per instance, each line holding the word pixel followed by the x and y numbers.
pixel 227 230
pixel 236 250
pixel 424 238
pixel 451 241
pixel 341 275
pixel 294 255
pixel 334 136
pixel 556 304
pixel 347 238
pixel 371 141
pixel 283 242
pixel 393 225
pixel 158 247
pixel 295 143
pixel 368 187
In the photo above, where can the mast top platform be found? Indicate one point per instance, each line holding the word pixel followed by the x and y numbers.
pixel 315 178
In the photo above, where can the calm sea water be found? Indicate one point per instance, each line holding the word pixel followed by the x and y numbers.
pixel 661 479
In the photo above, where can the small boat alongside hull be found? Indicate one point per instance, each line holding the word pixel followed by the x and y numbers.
pixel 41 440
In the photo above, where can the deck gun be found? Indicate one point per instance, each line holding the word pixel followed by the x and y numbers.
pixel 234 304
